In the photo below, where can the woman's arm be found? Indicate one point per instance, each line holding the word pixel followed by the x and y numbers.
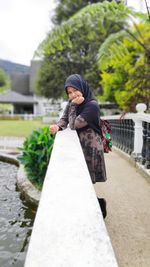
pixel 62 123
pixel 75 122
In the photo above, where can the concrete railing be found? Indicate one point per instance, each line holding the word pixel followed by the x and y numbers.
pixel 69 230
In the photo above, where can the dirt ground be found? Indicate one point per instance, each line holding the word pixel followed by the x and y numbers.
pixel 128 205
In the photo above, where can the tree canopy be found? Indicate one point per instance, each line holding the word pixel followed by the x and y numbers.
pixel 72 47
pixel 66 8
pixel 4 81
pixel 124 60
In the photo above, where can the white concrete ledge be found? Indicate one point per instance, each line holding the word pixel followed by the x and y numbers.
pixel 69 230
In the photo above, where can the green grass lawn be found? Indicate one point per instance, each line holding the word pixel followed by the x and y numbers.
pixel 19 127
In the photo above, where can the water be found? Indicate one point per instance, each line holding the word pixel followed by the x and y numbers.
pixel 16 219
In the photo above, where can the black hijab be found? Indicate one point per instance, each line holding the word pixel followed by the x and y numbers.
pixel 89 109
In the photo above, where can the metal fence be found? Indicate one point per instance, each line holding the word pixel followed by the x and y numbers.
pixel 131 133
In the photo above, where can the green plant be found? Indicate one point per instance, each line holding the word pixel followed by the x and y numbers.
pixel 9 118
pixel 4 81
pixel 124 63
pixel 36 152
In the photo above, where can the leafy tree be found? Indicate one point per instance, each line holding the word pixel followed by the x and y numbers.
pixel 72 47
pixel 52 75
pixel 4 81
pixel 124 60
pixel 148 10
pixel 66 8
pixel 2 78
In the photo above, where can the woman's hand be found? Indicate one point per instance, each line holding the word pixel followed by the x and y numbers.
pixel 78 100
pixel 54 128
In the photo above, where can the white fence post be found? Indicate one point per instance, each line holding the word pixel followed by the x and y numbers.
pixel 138 131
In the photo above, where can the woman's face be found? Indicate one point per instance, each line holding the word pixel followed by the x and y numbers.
pixel 73 93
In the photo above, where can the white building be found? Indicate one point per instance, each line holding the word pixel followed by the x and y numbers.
pixel 21 97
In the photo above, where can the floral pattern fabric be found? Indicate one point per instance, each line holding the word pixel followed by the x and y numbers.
pixel 90 140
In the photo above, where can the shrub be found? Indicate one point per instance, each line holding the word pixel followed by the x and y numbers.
pixel 36 152
pixel 10 118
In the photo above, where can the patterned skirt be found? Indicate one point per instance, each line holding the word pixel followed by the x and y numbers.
pixel 94 155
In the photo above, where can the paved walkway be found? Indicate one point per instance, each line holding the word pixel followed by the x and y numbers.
pixel 128 205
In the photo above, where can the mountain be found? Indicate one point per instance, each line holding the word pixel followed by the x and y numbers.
pixel 10 67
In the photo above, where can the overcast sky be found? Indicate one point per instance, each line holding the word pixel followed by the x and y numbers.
pixel 23 25
pixel 138 5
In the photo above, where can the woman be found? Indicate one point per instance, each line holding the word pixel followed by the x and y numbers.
pixel 82 113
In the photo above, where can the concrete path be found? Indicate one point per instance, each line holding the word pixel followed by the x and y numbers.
pixel 128 205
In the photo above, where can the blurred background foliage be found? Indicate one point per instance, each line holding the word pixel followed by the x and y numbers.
pixel 4 81
pixel 102 41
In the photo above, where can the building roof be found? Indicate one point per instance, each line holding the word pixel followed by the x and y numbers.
pixel 12 97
